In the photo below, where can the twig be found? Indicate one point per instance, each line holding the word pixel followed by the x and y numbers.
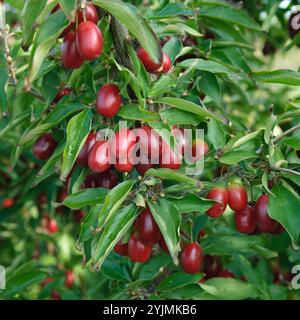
pixel 287 132
pixel 278 169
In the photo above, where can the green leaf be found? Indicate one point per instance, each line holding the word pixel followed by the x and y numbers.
pixel 89 223
pixel 168 220
pixel 230 15
pixel 191 203
pixel 114 200
pixel 216 134
pixel 86 197
pixel 114 230
pixel 173 48
pixel 136 24
pixel 269 128
pixel 231 289
pixel 245 139
pixel 234 157
pixel 154 266
pixel 188 107
pixel 288 77
pixel 163 85
pixel 173 10
pixel 68 7
pixel 31 11
pixel 134 112
pixel 293 142
pixel 179 280
pixel 284 207
pixel 14 123
pixel 208 83
pixel 3 84
pixel 178 117
pixel 77 132
pixel 170 175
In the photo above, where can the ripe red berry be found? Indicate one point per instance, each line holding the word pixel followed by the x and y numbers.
pixel 220 195
pixel 107 179
pixel 90 181
pixel 55 295
pixel 237 197
pixel 148 63
pixel 108 100
pixel 78 216
pixel 138 251
pixel 7 203
pixel 44 147
pixel 52 226
pixel 146 227
pixel 263 221
pixel 61 94
pixel 212 266
pixel 143 168
pixel 89 40
pixel 169 159
pixel 166 64
pixel 70 56
pixel 126 166
pixel 121 249
pixel 83 156
pixel 245 220
pixel 191 258
pixel 99 157
pixel 279 229
pixel 149 142
pixel 122 144
pixel 226 274
pixel 298 153
pixel 90 14
pixel 199 149
pixel 69 279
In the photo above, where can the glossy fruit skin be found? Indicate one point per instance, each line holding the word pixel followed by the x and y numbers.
pixel 202 148
pixel 52 226
pixel 121 249
pixel 279 229
pixel 63 92
pixel 89 40
pixel 127 166
pixel 107 179
pixel 245 220
pixel 237 197
pixel 146 227
pixel 71 58
pixel 90 14
pixel 143 168
pixel 166 64
pixel 220 195
pixel 122 144
pixel 148 63
pixel 108 100
pixel 263 221
pixel 44 147
pixel 226 274
pixel 212 266
pixel 7 203
pixel 138 251
pixel 83 156
pixel 169 159
pixel 149 142
pixel 99 157
pixel 191 258
pixel 69 279
pixel 78 216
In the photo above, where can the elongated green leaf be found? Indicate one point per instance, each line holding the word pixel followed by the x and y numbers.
pixel 153 267
pixel 188 106
pixel 178 280
pixel 77 132
pixel 3 85
pixel 245 139
pixel 191 203
pixel 68 7
pixel 14 123
pixel 89 223
pixel 176 117
pixel 114 230
pixel 134 112
pixel 85 197
pixel 288 77
pixel 269 128
pixel 234 157
pixel 114 200
pixel 136 24
pixel 284 207
pixel 216 134
pixel 168 219
pixel 172 10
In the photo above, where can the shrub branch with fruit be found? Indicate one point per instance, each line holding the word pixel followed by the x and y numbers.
pixel 76 225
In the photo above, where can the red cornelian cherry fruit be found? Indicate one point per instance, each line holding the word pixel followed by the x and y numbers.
pixel 99 157
pixel 138 251
pixel 237 197
pixel 71 58
pixel 108 100
pixel 263 221
pixel 146 227
pixel 191 258
pixel 44 147
pixel 107 179
pixel 69 278
pixel 219 195
pixel 83 156
pixel 245 220
pixel 121 249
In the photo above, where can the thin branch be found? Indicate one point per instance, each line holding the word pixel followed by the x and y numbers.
pixel 278 169
pixel 286 133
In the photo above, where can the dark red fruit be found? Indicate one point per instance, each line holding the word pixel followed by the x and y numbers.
pixel 237 197
pixel 69 279
pixel 146 227
pixel 169 159
pixel 263 221
pixel 70 56
pixel 61 94
pixel 191 258
pixel 226 274
pixel 90 181
pixel 78 216
pixel 220 195
pixel 245 220
pixel 138 251
pixel 89 40
pixel 143 168
pixel 212 266
pixel 44 147
pixel 108 100
pixel 148 63
pixel 83 156
pixel 121 249
pixel 298 153
pixel 107 179
pixel 294 24
pixel 199 149
pixel 149 142
pixel 90 14
pixel 279 229
pixel 55 295
pixel 166 64
pixel 99 157
pixel 52 226
pixel 7 203
pixel 122 144
pixel 163 245
pixel 201 234
pixel 126 166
